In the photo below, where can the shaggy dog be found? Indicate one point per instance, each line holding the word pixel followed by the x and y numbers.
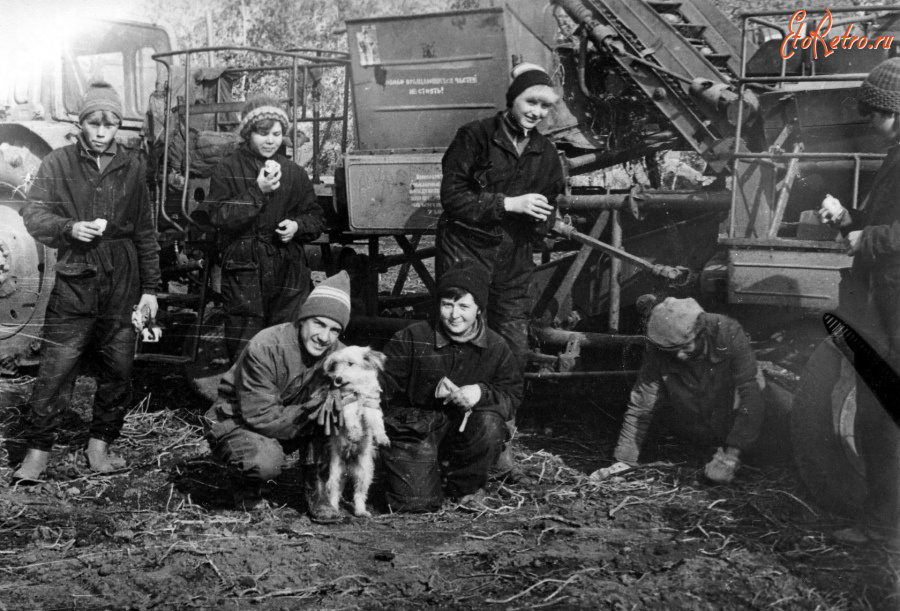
pixel 351 446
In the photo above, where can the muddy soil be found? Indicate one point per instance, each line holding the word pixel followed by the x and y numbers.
pixel 164 533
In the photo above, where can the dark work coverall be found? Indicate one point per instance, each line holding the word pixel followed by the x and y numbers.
pixel 422 429
pixel 875 281
pixel 715 400
pixel 264 280
pixel 98 283
pixel 480 169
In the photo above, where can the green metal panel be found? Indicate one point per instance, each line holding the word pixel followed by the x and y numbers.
pixel 792 277
pixel 393 193
pixel 417 79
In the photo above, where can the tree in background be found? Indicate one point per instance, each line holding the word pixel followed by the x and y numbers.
pixel 283 25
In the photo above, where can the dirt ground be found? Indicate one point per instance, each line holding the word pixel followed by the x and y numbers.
pixel 163 533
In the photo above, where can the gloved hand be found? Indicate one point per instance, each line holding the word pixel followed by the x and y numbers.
pixel 329 414
pixel 601 474
pixel 722 467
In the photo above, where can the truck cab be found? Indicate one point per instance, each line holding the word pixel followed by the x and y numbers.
pixel 43 76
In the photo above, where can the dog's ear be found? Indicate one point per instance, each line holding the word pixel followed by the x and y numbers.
pixel 328 365
pixel 375 359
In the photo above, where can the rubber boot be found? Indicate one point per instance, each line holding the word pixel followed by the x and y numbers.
pixel 100 460
pixel 506 468
pixel 33 467
pixel 316 499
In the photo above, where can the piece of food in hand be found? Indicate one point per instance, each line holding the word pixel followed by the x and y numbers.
pixel 101 223
pixel 271 167
pixel 445 388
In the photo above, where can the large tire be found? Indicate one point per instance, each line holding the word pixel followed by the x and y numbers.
pixel 822 432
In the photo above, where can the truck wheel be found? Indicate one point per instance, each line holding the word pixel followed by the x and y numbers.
pixel 822 432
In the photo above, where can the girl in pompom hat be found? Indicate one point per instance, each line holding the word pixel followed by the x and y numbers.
pixel 265 208
pixel 500 181
pixel 873 239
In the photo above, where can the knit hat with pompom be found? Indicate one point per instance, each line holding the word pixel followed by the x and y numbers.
pixel 331 299
pixel 260 109
pixel 100 96
pixel 881 89
pixel 525 75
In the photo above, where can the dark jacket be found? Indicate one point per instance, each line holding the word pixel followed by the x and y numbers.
pixel 481 168
pixel 421 354
pixel 879 218
pixel 69 188
pixel 702 390
pixel 264 389
pixel 256 264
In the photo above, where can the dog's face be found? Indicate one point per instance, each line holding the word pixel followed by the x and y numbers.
pixel 353 364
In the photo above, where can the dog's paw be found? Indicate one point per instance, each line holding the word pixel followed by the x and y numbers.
pixel 362 513
pixel 382 440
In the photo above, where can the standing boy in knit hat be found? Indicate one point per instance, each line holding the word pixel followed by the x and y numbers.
pixel 699 369
pixel 873 240
pixel 500 181
pixel 90 201
pixel 265 208
pixel 261 414
pixel 452 384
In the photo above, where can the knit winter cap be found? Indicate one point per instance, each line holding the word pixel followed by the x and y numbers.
pixel 100 96
pixel 673 322
pixel 260 109
pixel 469 279
pixel 525 75
pixel 330 299
pixel 881 89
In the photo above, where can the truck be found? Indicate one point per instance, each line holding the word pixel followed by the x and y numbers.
pixel 759 106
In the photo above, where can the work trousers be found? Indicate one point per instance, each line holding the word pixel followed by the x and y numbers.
pixel 67 338
pixel 254 456
pixel 428 447
pixel 262 285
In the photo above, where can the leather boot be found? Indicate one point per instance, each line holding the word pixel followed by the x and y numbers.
pixel 316 500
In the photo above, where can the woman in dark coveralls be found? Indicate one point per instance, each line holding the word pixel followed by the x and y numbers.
pixel 265 209
pixel 500 181
pixel 873 238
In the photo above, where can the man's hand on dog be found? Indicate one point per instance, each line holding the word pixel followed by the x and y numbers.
pixel 328 414
pixel 465 397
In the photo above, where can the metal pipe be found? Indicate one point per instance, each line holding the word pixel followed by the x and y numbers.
pixel 295 150
pixel 665 271
pixel 548 336
pixel 340 56
pixel 788 156
pixel 391 260
pixel 691 200
pixel 345 122
pixel 317 146
pixel 615 267
pixel 839 9
pixel 580 375
pixel 164 185
pixel 605 158
pixel 187 141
